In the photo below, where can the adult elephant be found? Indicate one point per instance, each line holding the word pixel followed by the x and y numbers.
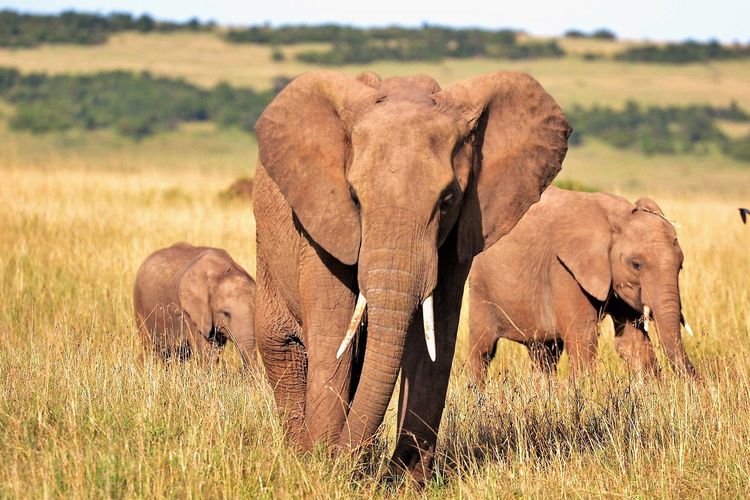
pixel 380 193
pixel 573 258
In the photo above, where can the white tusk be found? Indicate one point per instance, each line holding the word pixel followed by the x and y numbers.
pixel 688 329
pixel 429 326
pixel 359 311
pixel 646 316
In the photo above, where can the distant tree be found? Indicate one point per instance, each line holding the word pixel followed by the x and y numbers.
pixel 28 30
pixel 686 52
pixel 277 54
pixel 574 34
pixel 603 34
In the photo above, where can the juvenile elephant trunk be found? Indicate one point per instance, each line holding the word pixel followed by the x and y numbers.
pixel 392 285
pixel 667 310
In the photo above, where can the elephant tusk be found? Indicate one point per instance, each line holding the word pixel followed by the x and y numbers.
pixel 359 312
pixel 688 329
pixel 646 316
pixel 428 316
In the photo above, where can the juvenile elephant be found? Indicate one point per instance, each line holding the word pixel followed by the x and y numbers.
pixel 375 196
pixel 573 258
pixel 189 300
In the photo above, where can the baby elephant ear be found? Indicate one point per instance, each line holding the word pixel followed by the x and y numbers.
pixel 370 78
pixel 649 205
pixel 303 146
pixel 194 293
pixel 582 246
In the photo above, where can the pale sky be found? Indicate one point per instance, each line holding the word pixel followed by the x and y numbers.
pixel 726 20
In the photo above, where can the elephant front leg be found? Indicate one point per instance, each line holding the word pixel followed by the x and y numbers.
pixel 424 383
pixel 545 355
pixel 206 352
pixel 279 341
pixel 483 337
pixel 634 347
pixel 328 302
pixel 577 323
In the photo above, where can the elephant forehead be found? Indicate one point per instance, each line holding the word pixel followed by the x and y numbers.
pixel 405 123
pixel 651 227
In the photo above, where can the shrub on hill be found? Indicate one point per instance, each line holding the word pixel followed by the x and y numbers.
pixel 655 130
pixel 601 34
pixel 687 52
pixel 738 148
pixel 136 105
pixel 360 46
pixel 29 30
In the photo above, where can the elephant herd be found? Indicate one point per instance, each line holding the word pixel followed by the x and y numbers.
pixel 372 198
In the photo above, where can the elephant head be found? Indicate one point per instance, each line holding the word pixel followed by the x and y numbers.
pixel 380 173
pixel 632 252
pixel 219 297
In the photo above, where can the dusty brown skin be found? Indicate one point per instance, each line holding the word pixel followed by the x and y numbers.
pixel 388 188
pixel 573 258
pixel 190 300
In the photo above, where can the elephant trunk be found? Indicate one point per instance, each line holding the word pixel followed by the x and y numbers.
pixel 667 314
pixel 246 346
pixel 392 277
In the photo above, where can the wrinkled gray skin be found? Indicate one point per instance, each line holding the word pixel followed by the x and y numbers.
pixel 190 300
pixel 573 258
pixel 386 189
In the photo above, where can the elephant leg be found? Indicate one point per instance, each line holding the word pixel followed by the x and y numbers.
pixel 279 340
pixel 328 302
pixel 545 355
pixel 634 346
pixel 424 383
pixel 580 332
pixel 203 350
pixel 483 339
pixel 480 358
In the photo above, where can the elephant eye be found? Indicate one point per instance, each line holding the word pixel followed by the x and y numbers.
pixel 447 201
pixel 226 314
pixel 635 264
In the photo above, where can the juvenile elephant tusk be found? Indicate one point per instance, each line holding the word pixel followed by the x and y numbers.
pixel 359 312
pixel 646 316
pixel 428 317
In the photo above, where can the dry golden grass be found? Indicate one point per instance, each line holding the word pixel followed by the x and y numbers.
pixel 81 417
pixel 206 59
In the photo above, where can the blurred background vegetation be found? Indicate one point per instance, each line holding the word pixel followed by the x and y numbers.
pixel 137 104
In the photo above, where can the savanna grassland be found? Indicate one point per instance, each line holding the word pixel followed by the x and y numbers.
pixel 81 415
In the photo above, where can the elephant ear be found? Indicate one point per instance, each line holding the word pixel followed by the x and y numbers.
pixel 303 145
pixel 582 237
pixel 648 205
pixel 195 291
pixel 518 135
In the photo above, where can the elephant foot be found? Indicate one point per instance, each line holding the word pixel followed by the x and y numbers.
pixel 413 458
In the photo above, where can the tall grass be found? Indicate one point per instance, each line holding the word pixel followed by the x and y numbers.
pixel 81 415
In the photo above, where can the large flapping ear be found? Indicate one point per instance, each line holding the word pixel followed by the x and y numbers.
pixel 519 136
pixel 303 145
pixel 582 237
pixel 195 289
pixel 649 205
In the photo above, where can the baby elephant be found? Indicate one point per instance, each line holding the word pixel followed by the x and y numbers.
pixel 573 258
pixel 189 300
